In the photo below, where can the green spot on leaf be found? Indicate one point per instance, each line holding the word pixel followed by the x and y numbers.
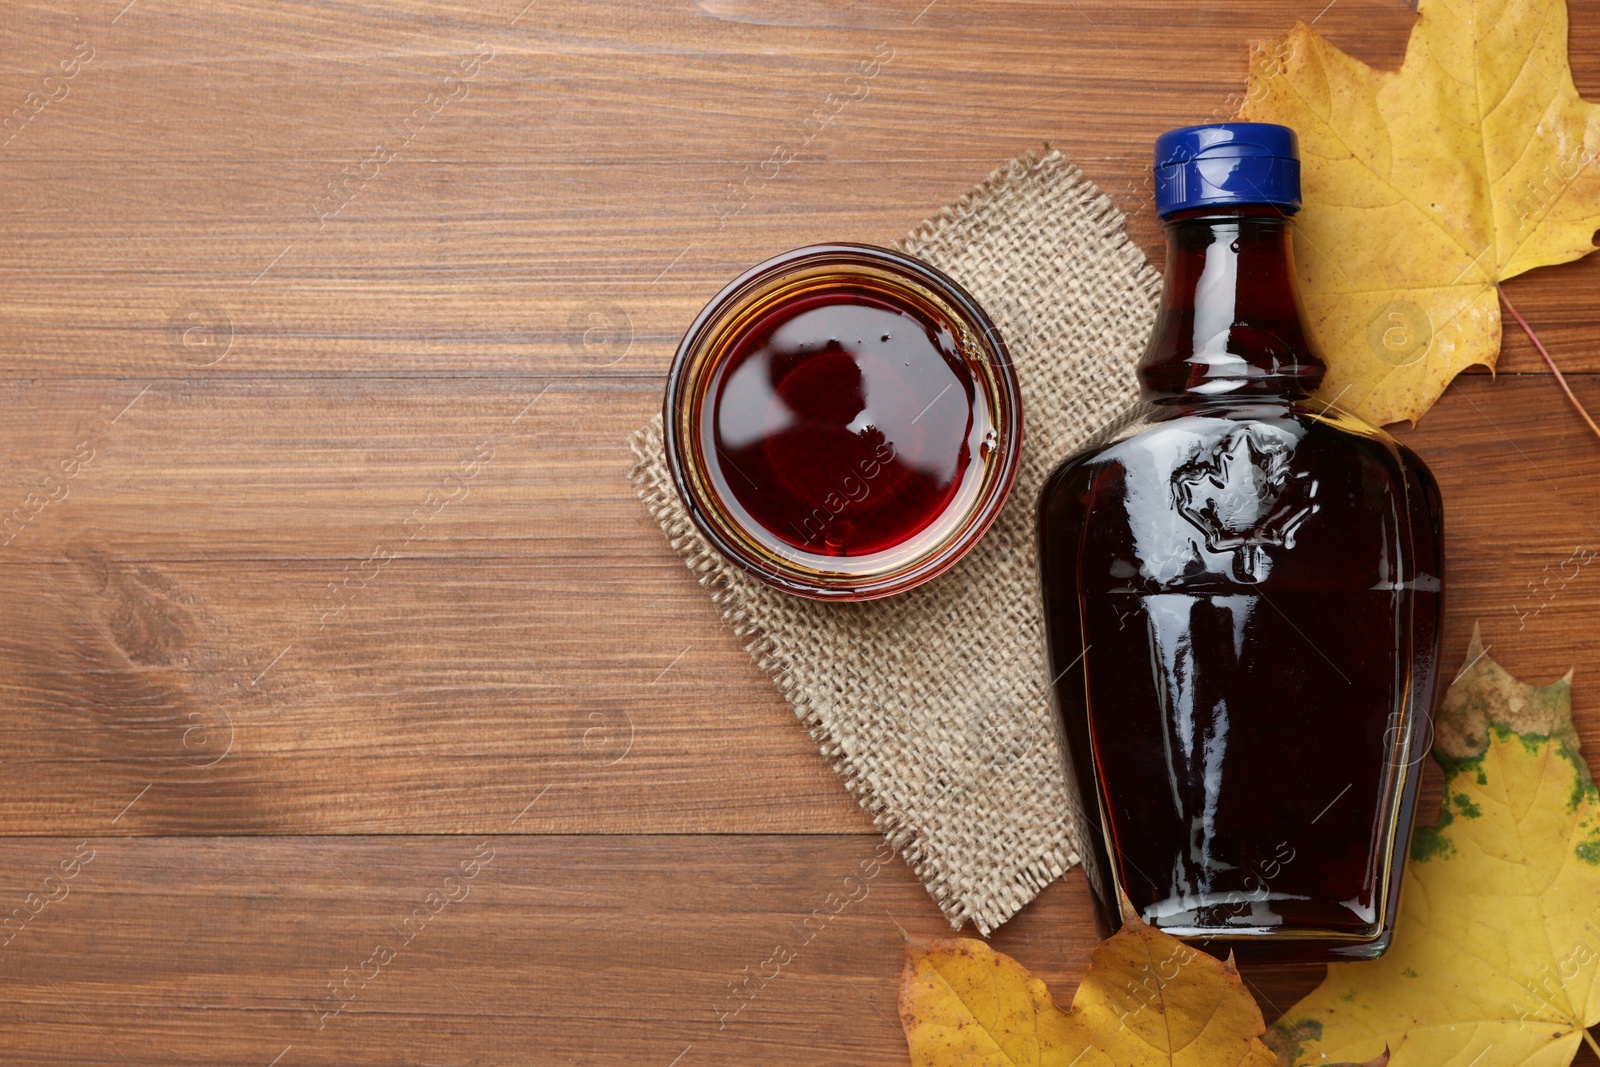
pixel 1289 1037
pixel 1429 842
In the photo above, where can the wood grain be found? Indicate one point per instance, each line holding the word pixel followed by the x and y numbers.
pixel 587 950
pixel 277 746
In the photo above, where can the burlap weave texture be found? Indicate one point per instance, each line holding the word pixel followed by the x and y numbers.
pixel 932 706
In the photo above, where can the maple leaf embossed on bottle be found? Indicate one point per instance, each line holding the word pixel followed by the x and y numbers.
pixel 1242 591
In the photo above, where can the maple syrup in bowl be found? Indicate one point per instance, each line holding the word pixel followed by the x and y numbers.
pixel 843 422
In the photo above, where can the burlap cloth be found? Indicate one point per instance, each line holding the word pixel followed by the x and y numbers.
pixel 932 705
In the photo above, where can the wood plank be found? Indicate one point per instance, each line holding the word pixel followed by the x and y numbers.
pixel 597 950
pixel 448 699
pixel 1519 479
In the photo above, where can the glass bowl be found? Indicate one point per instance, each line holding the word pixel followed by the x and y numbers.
pixel 835 467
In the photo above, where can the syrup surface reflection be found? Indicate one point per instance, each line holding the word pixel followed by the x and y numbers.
pixel 843 424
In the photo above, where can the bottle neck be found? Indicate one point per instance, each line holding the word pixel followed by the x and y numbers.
pixel 1230 324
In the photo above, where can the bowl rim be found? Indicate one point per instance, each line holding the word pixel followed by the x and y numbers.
pixel 920 569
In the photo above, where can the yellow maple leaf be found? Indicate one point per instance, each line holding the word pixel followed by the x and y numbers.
pixel 1496 956
pixel 1427 186
pixel 1148 999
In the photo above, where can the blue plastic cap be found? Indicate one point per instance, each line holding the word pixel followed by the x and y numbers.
pixel 1227 163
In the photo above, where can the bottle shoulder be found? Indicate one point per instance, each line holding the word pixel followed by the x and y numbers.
pixel 1239 489
pixel 1156 430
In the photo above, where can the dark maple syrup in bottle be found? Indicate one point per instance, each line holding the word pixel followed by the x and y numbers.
pixel 1242 592
pixel 844 422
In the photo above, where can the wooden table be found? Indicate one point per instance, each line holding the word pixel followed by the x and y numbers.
pixel 512 793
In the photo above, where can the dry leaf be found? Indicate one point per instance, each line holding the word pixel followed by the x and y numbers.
pixel 1496 957
pixel 1147 999
pixel 1427 186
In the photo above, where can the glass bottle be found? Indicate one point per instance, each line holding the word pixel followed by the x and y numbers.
pixel 1242 593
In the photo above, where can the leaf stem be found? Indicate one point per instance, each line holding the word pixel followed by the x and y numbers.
pixel 1560 379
